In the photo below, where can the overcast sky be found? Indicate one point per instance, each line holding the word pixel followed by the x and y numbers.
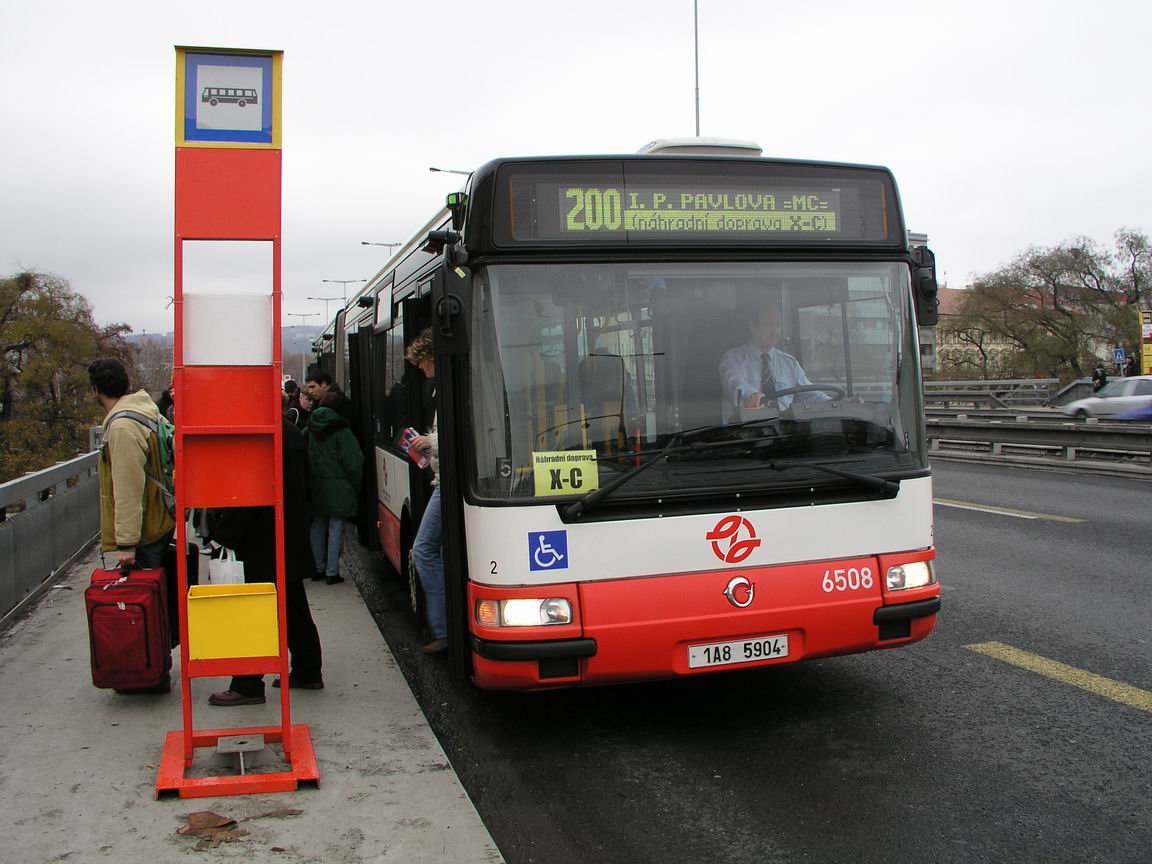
pixel 1007 124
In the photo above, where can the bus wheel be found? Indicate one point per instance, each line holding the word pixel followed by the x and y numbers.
pixel 241 103
pixel 415 592
pixel 212 102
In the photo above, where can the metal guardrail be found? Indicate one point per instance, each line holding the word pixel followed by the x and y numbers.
pixel 947 398
pixel 59 520
pixel 1001 414
pixel 1065 440
pixel 1022 392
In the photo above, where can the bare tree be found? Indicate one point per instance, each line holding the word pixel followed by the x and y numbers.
pixel 1055 312
pixel 153 366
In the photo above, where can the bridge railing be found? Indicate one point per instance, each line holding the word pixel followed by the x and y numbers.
pixel 47 519
pixel 1011 393
pixel 1086 443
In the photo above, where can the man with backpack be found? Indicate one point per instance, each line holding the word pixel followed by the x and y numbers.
pixel 136 522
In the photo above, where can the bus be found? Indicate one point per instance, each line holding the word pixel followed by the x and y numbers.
pixel 620 501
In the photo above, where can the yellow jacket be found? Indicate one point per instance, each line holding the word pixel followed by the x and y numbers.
pixel 132 511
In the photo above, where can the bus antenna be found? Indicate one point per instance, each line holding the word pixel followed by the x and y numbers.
pixel 696 40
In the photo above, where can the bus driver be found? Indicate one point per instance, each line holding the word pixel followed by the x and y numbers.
pixel 753 373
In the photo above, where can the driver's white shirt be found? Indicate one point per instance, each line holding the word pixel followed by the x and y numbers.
pixel 740 371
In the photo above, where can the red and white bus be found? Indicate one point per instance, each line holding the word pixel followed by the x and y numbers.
pixel 618 506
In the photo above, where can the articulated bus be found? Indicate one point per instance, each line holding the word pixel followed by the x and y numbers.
pixel 679 410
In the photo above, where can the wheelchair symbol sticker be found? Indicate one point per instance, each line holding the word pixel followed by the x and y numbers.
pixel 548 550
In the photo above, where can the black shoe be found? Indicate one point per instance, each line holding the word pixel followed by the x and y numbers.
pixel 301 683
pixel 228 698
pixel 335 580
pixel 317 575
pixel 435 646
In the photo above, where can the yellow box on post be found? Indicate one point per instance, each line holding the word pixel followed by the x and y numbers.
pixel 226 621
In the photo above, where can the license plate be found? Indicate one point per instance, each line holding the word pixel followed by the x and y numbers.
pixel 740 651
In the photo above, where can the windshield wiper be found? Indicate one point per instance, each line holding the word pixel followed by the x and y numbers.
pixel 593 498
pixel 886 488
pixel 573 511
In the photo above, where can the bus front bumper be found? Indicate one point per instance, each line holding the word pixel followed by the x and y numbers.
pixel 664 627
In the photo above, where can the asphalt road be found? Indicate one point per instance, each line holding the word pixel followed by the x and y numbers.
pixel 932 753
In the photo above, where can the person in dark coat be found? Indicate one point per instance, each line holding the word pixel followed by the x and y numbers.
pixel 337 465
pixel 251 533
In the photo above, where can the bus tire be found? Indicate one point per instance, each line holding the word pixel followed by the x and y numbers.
pixel 212 102
pixel 415 592
pixel 241 103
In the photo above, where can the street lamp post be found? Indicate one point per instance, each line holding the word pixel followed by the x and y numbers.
pixel 344 283
pixel 326 301
pixel 303 354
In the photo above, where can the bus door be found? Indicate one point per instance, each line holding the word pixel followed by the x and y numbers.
pixel 420 398
pixel 412 404
pixel 339 370
pixel 360 390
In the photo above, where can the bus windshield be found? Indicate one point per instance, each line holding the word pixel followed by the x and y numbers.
pixel 772 368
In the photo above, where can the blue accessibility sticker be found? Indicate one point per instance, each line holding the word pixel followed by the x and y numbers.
pixel 548 550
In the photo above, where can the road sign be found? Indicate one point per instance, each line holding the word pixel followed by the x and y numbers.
pixel 228 98
pixel 1118 355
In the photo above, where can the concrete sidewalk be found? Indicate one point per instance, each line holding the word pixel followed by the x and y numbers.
pixel 78 765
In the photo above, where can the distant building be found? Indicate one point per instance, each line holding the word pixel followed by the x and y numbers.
pixel 964 353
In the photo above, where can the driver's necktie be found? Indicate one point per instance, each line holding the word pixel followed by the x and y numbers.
pixel 767 382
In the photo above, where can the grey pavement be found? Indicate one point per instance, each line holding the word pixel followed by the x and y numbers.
pixel 78 765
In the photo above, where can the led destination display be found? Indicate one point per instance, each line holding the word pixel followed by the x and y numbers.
pixel 694 202
pixel 665 209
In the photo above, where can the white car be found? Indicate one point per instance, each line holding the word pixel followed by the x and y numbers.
pixel 1119 396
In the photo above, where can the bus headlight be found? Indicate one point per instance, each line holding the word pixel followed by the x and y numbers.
pixel 916 574
pixel 523 613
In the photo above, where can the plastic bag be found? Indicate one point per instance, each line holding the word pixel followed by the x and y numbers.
pixel 225 570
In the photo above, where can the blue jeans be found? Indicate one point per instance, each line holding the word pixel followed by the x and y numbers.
pixel 327 533
pixel 430 566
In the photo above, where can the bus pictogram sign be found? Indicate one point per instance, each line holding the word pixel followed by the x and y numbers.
pixel 733 539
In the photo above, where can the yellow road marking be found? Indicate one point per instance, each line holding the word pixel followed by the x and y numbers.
pixel 1004 511
pixel 1117 691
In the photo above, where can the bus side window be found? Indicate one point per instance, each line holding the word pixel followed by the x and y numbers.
pixel 394 415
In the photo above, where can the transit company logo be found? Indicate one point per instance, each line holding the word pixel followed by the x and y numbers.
pixel 733 539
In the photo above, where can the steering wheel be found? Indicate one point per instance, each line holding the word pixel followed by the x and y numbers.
pixel 837 392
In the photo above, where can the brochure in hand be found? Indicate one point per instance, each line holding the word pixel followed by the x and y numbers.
pixel 417 456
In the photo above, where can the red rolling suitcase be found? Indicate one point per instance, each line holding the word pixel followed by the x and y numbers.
pixel 128 628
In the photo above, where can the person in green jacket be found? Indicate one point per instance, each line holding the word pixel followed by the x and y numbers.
pixel 337 462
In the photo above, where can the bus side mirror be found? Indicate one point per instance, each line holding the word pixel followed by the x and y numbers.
pixel 925 290
pixel 451 308
pixel 457 204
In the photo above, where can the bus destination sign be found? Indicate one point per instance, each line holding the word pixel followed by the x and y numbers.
pixel 679 209
pixel 653 203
